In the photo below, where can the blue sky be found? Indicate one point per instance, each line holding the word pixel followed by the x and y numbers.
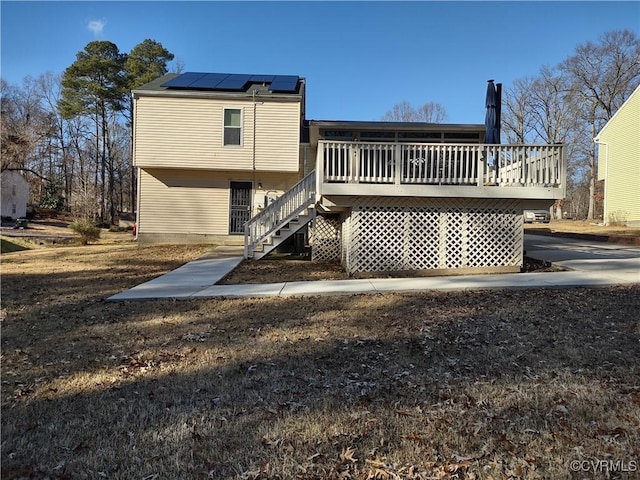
pixel 359 58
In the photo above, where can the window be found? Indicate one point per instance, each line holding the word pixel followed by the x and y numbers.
pixel 339 134
pixel 378 135
pixel 419 135
pixel 462 136
pixel 232 126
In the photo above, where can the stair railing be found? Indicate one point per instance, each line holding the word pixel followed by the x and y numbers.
pixel 278 213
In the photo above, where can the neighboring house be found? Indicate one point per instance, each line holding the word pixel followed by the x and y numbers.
pixel 222 155
pixel 619 163
pixel 15 194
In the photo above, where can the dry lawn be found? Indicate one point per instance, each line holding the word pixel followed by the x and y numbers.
pixel 485 384
pixel 586 228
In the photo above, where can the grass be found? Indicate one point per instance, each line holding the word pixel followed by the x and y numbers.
pixel 480 384
pixel 13 245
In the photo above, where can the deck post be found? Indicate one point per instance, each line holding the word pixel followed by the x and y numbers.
pixel 353 164
pixel 319 170
pixel 480 167
pixel 246 241
pixel 397 164
pixel 562 163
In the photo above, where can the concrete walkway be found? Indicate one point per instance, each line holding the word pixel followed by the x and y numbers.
pixel 592 264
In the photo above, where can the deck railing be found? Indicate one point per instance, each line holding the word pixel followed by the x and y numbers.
pixel 278 213
pixel 440 164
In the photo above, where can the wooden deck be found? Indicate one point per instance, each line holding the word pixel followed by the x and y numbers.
pixel 440 170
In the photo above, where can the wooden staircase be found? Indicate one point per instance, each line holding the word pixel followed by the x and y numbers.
pixel 281 219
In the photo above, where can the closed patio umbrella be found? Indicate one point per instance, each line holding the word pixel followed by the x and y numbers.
pixel 492 119
pixel 492 128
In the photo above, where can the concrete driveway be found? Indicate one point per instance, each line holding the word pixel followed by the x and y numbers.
pixel 587 256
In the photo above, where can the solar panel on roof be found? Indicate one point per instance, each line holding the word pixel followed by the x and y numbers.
pixel 209 81
pixel 233 82
pixel 184 80
pixel 284 83
pixel 262 78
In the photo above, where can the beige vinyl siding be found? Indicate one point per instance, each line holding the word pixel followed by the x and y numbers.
pixel 277 136
pixel 308 158
pixel 619 163
pixel 196 201
pixel 272 185
pixel 175 201
pixel 182 132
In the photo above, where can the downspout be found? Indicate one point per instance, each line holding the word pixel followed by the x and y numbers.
pixel 138 171
pixel 253 150
pixel 597 141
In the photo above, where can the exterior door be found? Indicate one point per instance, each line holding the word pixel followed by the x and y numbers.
pixel 240 206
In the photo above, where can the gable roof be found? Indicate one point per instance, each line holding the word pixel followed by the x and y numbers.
pixel 13 176
pixel 606 125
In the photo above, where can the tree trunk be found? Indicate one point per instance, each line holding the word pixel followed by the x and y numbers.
pixel 592 174
pixel 110 196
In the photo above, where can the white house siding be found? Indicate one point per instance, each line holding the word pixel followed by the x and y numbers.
pixel 184 132
pixel 619 163
pixel 192 206
pixel 15 194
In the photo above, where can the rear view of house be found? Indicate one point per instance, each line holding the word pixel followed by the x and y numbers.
pixel 231 159
pixel 210 149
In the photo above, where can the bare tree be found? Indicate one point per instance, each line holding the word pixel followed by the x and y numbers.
pixel 430 112
pixel 570 103
pixel 552 116
pixel 602 76
pixel 516 111
pixel 177 66
pixel 24 124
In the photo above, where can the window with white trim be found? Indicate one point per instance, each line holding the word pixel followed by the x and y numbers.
pixel 232 127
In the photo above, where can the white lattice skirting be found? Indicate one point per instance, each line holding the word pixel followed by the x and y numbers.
pixel 389 234
pixel 325 238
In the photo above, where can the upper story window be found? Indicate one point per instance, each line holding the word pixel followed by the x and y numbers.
pixel 232 126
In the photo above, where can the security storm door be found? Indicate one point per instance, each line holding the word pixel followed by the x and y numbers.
pixel 240 206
